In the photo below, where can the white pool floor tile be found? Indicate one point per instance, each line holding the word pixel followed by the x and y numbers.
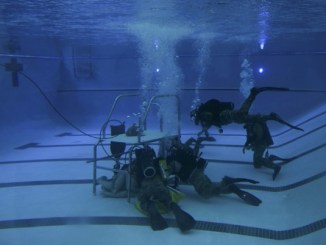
pixel 37 185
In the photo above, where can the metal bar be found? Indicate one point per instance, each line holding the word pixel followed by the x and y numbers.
pixel 94 168
pixel 112 109
pixel 161 96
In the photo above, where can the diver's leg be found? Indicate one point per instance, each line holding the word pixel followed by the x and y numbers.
pixel 266 162
pixel 202 184
pixel 156 220
pixel 146 198
pixel 260 160
pixel 203 131
pixel 270 164
pixel 206 188
pixel 241 115
pixel 245 107
pixel 258 156
pixel 184 220
pixel 162 194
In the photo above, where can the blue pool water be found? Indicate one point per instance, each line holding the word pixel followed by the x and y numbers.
pixel 64 66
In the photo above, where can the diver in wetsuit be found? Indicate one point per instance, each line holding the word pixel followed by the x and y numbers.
pixel 185 162
pixel 258 140
pixel 153 192
pixel 217 113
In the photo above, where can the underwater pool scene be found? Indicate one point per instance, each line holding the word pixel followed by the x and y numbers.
pixel 162 122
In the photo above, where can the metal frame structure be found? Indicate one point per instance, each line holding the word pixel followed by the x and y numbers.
pixel 144 136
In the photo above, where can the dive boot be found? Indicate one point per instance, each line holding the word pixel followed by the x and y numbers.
pixel 184 220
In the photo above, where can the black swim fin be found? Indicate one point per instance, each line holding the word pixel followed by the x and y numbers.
pixel 282 161
pixel 117 148
pixel 245 196
pixel 228 180
pixel 207 138
pixel 262 89
pixel 184 220
pixel 276 171
pixel 156 220
pixel 277 118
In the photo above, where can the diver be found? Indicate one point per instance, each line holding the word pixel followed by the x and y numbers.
pixel 217 113
pixel 186 163
pixel 258 140
pixel 153 192
pixel 117 186
pixel 149 183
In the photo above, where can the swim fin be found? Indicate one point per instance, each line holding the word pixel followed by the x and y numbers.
pixel 276 171
pixel 228 180
pixel 277 118
pixel 283 161
pixel 207 138
pixel 245 196
pixel 156 220
pixel 184 220
pixel 257 90
pixel 117 148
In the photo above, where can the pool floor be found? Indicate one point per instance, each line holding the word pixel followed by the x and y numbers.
pixel 46 193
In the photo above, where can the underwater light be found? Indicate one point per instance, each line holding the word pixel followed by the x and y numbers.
pixel 261 70
pixel 157 69
pixel 262 45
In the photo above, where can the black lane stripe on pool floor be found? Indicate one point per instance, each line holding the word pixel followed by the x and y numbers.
pixel 143 221
pixel 89 181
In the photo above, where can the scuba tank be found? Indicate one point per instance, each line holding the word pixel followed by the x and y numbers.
pixel 145 158
pixel 188 159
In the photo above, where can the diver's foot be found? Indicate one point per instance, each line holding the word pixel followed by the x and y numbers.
pixel 276 172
